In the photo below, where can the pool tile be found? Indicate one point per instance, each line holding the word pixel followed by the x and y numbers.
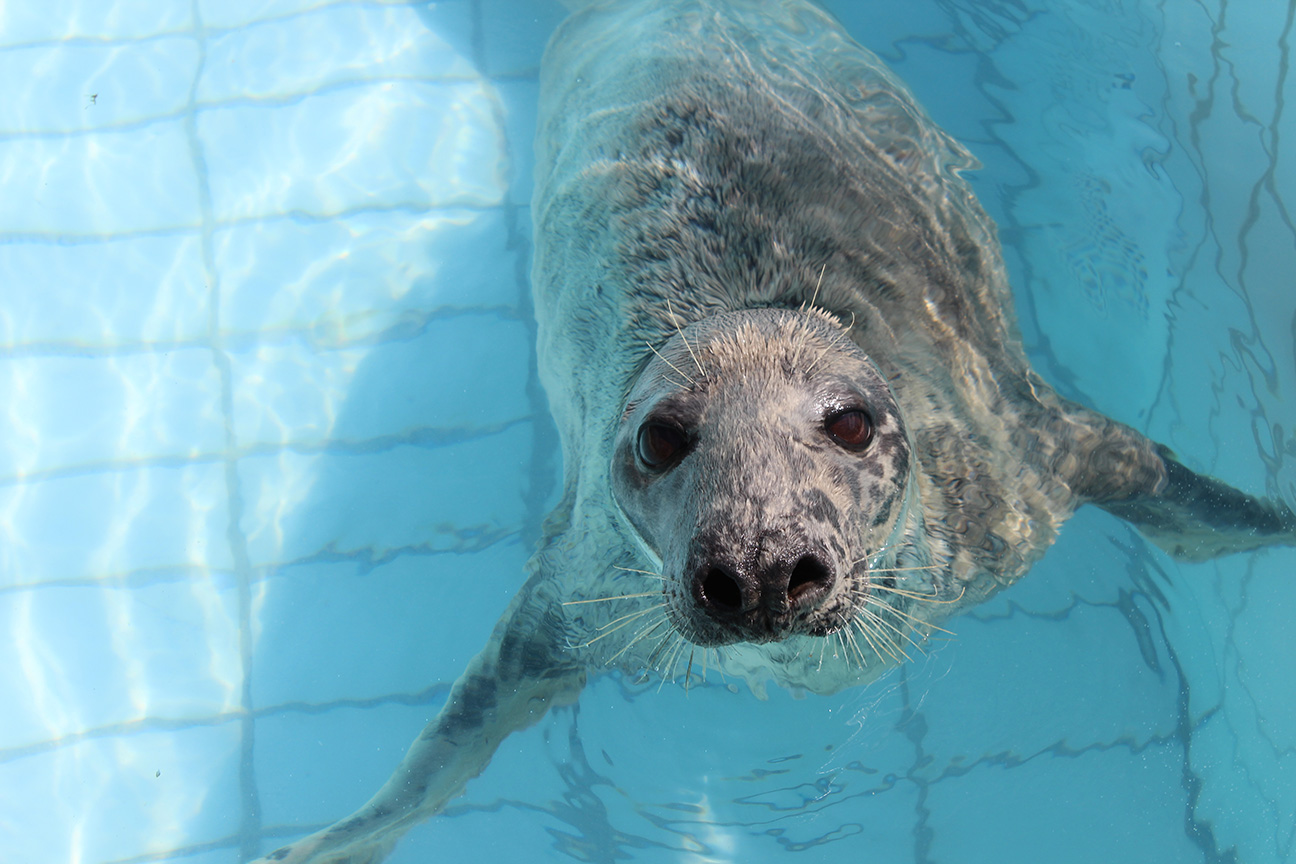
pixel 100 184
pixel 520 101
pixel 115 798
pixel 382 146
pixel 702 771
pixel 71 19
pixel 344 629
pixel 1073 660
pixel 313 769
pixel 1102 806
pixel 123 292
pixel 69 413
pixel 420 495
pixel 353 280
pixel 463 372
pixel 515 33
pixel 78 86
pixel 280 59
pixel 166 651
pixel 114 523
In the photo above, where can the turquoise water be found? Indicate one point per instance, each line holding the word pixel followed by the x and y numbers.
pixel 272 450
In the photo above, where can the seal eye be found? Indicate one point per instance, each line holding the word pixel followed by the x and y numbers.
pixel 852 429
pixel 659 444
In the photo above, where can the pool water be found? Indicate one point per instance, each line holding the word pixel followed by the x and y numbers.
pixel 273 451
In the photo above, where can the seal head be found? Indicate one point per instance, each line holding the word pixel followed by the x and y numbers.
pixel 762 459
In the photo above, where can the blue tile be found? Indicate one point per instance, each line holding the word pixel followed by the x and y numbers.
pixel 1079 662
pixel 387 145
pixel 70 19
pixel 515 33
pixel 100 184
pixel 1102 806
pixel 104 294
pixel 114 523
pixel 68 413
pixel 86 86
pixel 114 798
pixel 349 281
pixel 521 101
pixel 349 629
pixel 313 769
pixel 331 46
pixel 419 496
pixel 143 653
pixel 461 372
pixel 225 14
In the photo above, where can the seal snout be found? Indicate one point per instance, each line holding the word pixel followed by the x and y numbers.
pixel 760 599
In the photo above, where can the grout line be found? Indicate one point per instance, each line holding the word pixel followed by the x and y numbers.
pixel 299 217
pixel 466 540
pixel 540 467
pixel 273 101
pixel 124 729
pixel 410 326
pixel 211 32
pixel 420 437
pixel 249 795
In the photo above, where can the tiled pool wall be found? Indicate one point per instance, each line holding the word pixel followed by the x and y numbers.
pixel 272 449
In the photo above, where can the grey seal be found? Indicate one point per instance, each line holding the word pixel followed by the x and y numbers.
pixel 799 428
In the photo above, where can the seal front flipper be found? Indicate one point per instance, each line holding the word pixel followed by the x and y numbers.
pixel 1191 516
pixel 521 673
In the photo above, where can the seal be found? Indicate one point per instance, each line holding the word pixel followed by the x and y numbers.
pixel 778 342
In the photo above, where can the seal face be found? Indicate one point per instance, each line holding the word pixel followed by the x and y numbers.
pixel 762 459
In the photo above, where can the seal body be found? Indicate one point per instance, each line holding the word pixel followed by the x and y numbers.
pixel 799 429
pixel 703 159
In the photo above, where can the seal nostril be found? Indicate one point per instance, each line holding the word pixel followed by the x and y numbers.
pixel 721 591
pixel 808 576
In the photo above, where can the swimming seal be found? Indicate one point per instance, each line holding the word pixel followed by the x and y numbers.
pixel 777 338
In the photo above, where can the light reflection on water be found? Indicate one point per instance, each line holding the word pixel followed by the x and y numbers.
pixel 256 280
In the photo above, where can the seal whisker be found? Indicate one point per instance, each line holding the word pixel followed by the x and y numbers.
pixel 894 629
pixel 843 336
pixel 855 645
pixel 815 295
pixel 877 602
pixel 641 572
pixel 625 620
pixel 914 595
pixel 609 599
pixel 873 570
pixel 674 661
pixel 647 629
pixel 630 616
pixel 658 651
pixel 886 637
pixel 888 643
pixel 867 632
pixel 696 362
pixel 670 364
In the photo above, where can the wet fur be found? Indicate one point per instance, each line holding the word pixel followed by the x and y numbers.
pixel 697 163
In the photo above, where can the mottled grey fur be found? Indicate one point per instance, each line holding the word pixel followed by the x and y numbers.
pixel 743 224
